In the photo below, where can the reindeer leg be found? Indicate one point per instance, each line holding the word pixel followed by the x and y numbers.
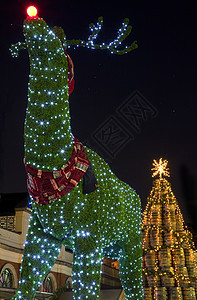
pixel 40 253
pixel 130 268
pixel 87 268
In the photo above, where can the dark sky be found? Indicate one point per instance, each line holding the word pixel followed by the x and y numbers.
pixel 156 82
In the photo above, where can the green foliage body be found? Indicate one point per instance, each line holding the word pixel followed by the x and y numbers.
pixel 104 223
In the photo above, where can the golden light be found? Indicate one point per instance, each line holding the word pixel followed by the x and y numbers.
pixel 160 168
pixel 32 11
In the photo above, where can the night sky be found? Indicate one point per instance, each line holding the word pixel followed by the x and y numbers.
pixel 131 109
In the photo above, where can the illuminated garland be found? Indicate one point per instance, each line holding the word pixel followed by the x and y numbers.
pixel 106 222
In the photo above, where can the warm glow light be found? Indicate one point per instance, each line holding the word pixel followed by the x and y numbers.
pixel 160 168
pixel 32 11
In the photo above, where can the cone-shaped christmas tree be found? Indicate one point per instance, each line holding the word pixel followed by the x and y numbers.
pixel 169 254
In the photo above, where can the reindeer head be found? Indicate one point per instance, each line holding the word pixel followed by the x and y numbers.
pixel 37 31
pixel 40 39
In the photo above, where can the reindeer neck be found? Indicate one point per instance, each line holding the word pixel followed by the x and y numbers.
pixel 48 137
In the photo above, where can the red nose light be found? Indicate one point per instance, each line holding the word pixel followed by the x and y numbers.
pixel 32 11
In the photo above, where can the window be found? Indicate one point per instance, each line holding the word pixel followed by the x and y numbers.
pixel 6 280
pixel 48 286
pixel 68 283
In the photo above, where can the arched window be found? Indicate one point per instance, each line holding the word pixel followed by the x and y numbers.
pixel 6 279
pixel 48 286
pixel 8 276
pixel 68 283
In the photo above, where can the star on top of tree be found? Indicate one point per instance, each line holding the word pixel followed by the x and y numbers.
pixel 160 168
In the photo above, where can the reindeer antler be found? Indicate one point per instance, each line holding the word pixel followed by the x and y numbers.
pixel 123 32
pixel 15 48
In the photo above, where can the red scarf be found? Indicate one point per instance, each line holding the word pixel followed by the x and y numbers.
pixel 46 187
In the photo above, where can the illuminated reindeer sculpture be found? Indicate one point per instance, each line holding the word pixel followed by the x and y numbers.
pixel 76 199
